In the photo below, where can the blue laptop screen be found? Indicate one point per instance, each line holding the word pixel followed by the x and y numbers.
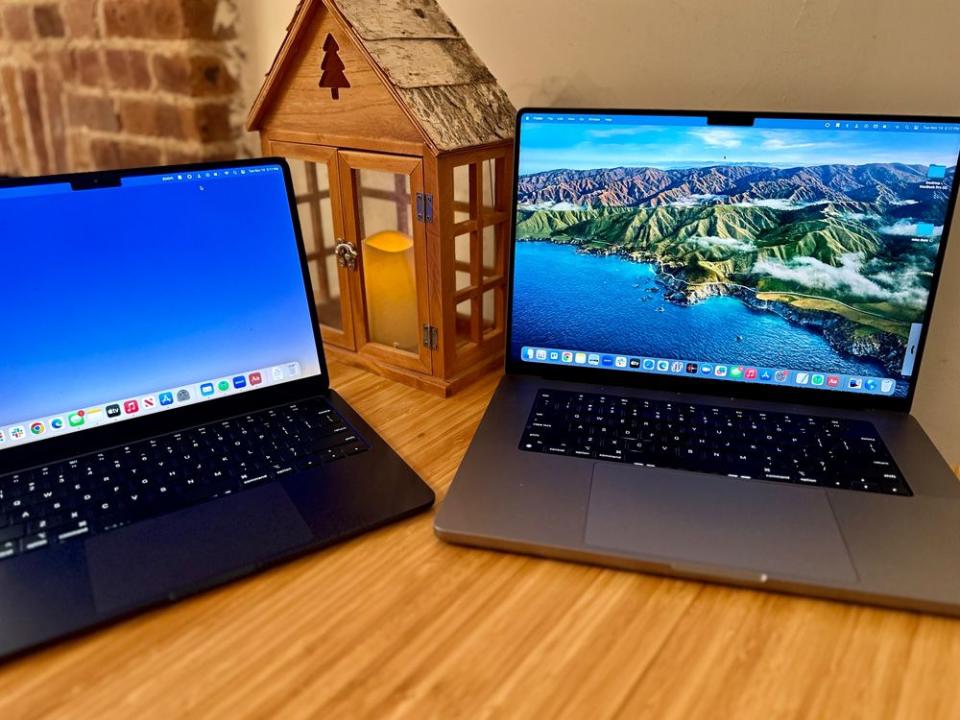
pixel 167 290
pixel 793 252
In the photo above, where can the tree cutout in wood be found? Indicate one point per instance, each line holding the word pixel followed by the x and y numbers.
pixel 333 67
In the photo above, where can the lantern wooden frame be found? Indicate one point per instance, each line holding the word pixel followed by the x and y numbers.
pixel 391 112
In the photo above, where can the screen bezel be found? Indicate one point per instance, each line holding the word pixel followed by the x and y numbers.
pixel 699 385
pixel 52 449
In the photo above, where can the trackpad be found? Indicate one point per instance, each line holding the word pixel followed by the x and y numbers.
pixel 177 553
pixel 693 520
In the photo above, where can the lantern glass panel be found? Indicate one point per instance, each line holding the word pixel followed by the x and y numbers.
pixel 464 322
pixel 489 190
pixel 311 185
pixel 488 302
pixel 461 193
pixel 461 245
pixel 492 248
pixel 385 220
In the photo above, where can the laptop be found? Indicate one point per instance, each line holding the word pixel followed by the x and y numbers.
pixel 716 321
pixel 166 417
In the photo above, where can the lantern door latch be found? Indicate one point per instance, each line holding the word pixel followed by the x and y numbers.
pixel 346 255
pixel 430 337
pixel 425 207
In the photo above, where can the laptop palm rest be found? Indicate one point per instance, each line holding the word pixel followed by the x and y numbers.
pixel 691 520
pixel 194 548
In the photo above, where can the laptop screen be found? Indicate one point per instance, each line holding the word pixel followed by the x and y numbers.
pixel 167 290
pixel 793 252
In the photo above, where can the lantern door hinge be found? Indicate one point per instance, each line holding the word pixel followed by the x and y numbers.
pixel 430 337
pixel 425 207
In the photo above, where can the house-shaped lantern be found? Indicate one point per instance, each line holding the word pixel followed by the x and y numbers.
pixel 401 146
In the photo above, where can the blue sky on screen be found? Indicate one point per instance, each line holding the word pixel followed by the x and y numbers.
pixel 553 146
pixel 126 291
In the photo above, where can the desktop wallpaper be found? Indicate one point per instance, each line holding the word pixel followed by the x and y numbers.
pixel 799 248
pixel 118 292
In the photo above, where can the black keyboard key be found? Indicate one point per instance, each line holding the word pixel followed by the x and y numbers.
pixel 9 548
pixel 12 532
pixel 73 530
pixel 779 447
pixel 115 487
pixel 34 542
pixel 355 447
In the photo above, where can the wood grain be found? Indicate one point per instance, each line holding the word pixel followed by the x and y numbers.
pixel 397 624
pixel 386 119
pixel 366 109
pixel 326 158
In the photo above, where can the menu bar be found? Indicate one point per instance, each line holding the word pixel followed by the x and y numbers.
pixel 857 124
pixel 190 176
pixel 208 175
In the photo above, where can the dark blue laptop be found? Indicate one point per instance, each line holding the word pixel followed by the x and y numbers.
pixel 166 420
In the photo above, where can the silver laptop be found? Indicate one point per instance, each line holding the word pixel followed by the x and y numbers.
pixel 716 321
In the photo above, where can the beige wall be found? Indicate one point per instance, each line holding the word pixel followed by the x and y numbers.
pixel 831 55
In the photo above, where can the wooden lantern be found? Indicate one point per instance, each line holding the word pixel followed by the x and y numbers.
pixel 401 145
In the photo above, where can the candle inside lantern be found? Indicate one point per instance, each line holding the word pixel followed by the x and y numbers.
pixel 389 279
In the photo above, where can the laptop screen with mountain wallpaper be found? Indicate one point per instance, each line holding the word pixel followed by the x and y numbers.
pixel 792 251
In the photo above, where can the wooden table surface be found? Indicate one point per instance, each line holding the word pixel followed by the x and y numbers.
pixel 399 624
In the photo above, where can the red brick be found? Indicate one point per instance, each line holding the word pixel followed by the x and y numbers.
pixel 210 76
pixel 109 154
pixel 47 117
pixel 210 123
pixel 88 65
pixel 200 154
pixel 48 21
pixel 18 132
pixel 31 97
pixel 197 76
pixel 128 69
pixel 223 153
pixel 67 62
pixel 145 18
pixel 182 157
pixel 18 21
pixel 7 164
pixel 207 123
pixel 92 111
pixel 152 118
pixel 81 18
pixel 78 149
pixel 172 73
pixel 52 94
pixel 157 19
pixel 198 19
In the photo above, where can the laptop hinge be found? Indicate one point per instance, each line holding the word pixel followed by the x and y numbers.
pixel 430 337
pixel 425 207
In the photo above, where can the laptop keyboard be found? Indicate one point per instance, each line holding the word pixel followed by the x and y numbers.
pixel 109 489
pixel 750 444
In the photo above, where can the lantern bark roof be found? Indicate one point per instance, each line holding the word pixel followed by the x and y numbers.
pixel 424 62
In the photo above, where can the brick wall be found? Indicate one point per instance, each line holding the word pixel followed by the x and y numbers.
pixel 93 84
